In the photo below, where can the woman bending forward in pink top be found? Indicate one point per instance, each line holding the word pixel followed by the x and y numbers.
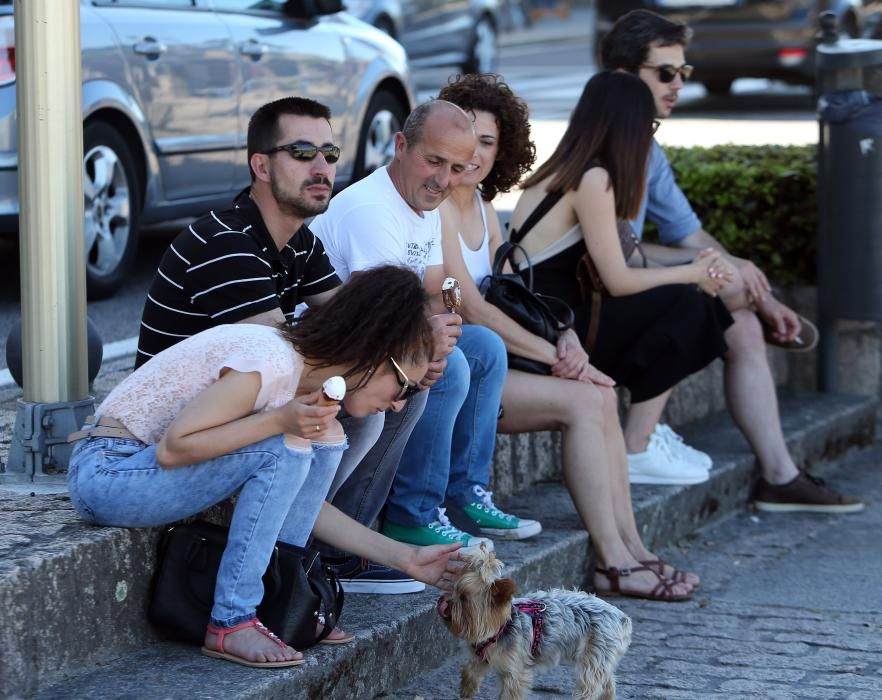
pixel 215 414
pixel 576 398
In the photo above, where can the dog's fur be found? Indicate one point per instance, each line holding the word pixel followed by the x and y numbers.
pixel 577 627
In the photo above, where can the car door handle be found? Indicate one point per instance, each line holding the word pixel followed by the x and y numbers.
pixel 253 49
pixel 148 46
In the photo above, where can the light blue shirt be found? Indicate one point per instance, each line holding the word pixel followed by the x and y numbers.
pixel 664 202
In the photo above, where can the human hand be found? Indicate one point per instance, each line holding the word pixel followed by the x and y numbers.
pixel 433 374
pixel 439 565
pixel 712 271
pixel 756 285
pixel 302 416
pixel 446 329
pixel 782 320
pixel 572 357
pixel 592 375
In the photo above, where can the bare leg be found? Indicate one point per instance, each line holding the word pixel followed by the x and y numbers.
pixel 641 421
pixel 751 396
pixel 583 412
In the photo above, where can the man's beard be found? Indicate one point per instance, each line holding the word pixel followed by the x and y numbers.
pixel 300 205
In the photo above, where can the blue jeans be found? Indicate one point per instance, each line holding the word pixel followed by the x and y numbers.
pixel 451 448
pixel 118 482
pixel 363 492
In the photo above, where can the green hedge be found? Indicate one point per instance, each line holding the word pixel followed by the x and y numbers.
pixel 758 201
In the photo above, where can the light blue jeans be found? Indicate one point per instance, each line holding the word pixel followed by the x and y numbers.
pixel 451 447
pixel 118 482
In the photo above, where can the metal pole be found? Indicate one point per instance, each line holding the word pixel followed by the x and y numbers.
pixel 52 254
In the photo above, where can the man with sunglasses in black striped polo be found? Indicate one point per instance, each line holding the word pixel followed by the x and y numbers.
pixel 654 48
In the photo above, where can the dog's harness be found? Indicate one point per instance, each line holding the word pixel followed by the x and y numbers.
pixel 534 609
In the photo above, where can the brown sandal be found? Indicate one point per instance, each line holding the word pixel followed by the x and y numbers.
pixel 658 567
pixel 664 590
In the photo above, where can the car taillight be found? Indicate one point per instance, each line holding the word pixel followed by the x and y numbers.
pixel 7 50
pixel 791 57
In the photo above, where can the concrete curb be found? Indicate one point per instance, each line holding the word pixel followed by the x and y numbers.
pixel 397 636
pixel 579 25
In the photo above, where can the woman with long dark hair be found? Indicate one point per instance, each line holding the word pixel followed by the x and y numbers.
pixel 576 399
pixel 658 324
pixel 214 414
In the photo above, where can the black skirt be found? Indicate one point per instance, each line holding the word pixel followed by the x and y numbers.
pixel 650 341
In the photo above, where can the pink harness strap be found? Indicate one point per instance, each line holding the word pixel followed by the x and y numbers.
pixel 534 609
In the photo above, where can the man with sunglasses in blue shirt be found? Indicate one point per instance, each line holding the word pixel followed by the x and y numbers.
pixel 653 47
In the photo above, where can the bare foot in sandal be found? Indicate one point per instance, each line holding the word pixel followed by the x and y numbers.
pixel 250 644
pixel 637 581
pixel 670 572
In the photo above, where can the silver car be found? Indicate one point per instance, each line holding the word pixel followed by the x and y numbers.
pixel 460 33
pixel 168 88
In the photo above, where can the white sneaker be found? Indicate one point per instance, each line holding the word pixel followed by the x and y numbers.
pixel 680 449
pixel 657 465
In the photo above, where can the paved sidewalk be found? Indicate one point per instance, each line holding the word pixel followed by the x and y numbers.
pixel 551 28
pixel 790 607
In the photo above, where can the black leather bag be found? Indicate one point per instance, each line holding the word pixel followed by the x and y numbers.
pixel 297 587
pixel 542 315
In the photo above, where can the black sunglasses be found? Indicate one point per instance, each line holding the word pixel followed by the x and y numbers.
pixel 304 150
pixel 408 387
pixel 667 72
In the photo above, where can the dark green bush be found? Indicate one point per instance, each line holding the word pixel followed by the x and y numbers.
pixel 758 201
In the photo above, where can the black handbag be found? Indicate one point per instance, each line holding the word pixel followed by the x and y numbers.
pixel 297 587
pixel 541 314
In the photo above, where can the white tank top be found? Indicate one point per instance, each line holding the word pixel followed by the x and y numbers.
pixel 477 261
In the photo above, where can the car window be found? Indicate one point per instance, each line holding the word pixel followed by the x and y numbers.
pixel 249 5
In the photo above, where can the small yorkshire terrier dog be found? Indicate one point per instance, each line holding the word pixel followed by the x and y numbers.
pixel 517 636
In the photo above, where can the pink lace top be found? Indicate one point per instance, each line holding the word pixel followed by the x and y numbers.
pixel 151 397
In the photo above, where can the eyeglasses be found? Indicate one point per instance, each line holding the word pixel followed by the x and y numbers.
pixel 304 150
pixel 655 125
pixel 667 72
pixel 408 387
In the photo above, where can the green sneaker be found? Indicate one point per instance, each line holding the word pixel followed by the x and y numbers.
pixel 441 531
pixel 494 522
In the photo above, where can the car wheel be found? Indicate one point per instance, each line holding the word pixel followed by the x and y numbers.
pixel 376 146
pixel 718 87
pixel 483 55
pixel 112 208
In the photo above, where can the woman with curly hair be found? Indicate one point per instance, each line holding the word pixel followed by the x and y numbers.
pixel 576 399
pixel 216 414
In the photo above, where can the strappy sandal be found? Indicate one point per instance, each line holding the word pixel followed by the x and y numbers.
pixel 658 567
pixel 219 653
pixel 664 590
pixel 336 636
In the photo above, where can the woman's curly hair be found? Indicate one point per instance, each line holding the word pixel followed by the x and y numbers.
pixel 378 313
pixel 487 92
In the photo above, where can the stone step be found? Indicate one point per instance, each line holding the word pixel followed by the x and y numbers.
pixel 74 596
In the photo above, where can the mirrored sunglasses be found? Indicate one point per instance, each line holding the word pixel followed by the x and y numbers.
pixel 303 150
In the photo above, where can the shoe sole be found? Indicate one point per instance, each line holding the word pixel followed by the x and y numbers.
pixel 520 533
pixel 666 480
pixel 806 508
pixel 382 587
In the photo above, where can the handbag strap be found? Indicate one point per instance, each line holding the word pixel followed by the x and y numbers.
pixel 552 198
pixel 505 254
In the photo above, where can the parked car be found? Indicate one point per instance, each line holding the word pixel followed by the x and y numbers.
pixel 168 89
pixel 460 33
pixel 752 38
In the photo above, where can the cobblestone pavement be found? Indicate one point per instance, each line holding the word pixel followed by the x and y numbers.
pixel 790 607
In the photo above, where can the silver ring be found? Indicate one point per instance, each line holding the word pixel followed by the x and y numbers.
pixel 318 429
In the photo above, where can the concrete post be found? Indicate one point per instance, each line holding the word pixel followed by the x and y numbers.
pixel 52 254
